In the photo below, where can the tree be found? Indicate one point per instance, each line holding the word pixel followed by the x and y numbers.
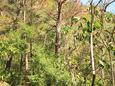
pixel 58 25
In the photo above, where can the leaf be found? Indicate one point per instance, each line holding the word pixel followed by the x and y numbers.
pixel 101 63
pixel 108 17
pixel 97 24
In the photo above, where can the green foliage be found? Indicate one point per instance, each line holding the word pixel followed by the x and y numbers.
pixel 104 64
pixel 108 17
pixel 36 38
pixel 97 25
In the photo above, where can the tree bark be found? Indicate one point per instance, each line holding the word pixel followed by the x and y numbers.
pixel 25 69
pixel 91 45
pixel 58 29
pixel 25 55
pixel 112 71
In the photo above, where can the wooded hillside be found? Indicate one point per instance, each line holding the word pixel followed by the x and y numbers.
pixel 57 43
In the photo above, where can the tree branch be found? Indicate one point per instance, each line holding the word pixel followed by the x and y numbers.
pixel 105 7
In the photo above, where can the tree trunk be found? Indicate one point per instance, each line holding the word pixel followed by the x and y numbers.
pixel 24 11
pixel 58 30
pixel 25 55
pixel 91 45
pixel 30 45
pixel 25 69
pixel 112 71
pixel 92 60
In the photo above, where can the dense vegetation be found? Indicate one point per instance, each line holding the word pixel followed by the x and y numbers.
pixel 57 43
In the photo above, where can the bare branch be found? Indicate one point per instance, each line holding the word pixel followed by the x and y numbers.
pixel 105 7
pixel 98 3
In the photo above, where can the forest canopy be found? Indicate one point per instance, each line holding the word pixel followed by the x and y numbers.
pixel 57 43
